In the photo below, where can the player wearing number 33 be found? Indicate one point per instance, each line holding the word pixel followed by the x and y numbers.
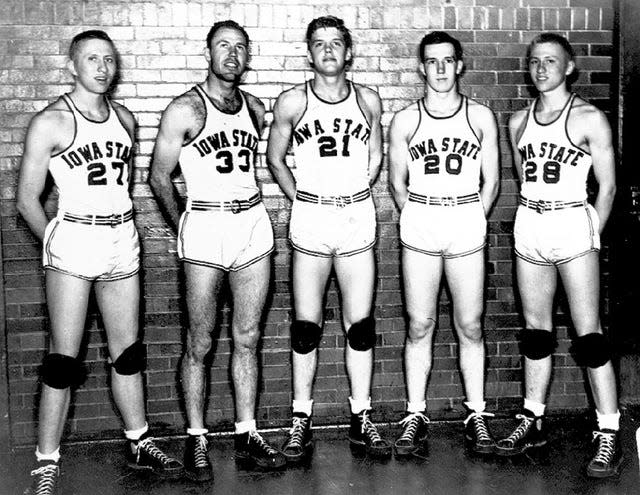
pixel 444 177
pixel 212 131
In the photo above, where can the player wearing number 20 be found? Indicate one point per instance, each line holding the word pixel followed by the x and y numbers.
pixel 212 130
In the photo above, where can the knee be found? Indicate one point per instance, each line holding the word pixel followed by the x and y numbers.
pixel 420 329
pixel 246 337
pixel 537 344
pixel 469 331
pixel 305 336
pixel 198 345
pixel 60 371
pixel 130 361
pixel 361 335
pixel 591 350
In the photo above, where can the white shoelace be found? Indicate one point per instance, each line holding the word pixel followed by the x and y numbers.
pixel 262 443
pixel 296 433
pixel 150 448
pixel 47 479
pixel 480 427
pixel 369 429
pixel 200 451
pixel 410 423
pixel 606 446
pixel 521 430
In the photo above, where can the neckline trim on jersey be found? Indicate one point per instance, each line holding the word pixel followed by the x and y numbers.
pixel 206 95
pixel 424 106
pixel 310 86
pixel 564 108
pixel 74 107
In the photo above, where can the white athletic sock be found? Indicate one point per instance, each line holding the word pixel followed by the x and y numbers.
pixel 53 456
pixel 476 406
pixel 303 406
pixel 537 408
pixel 197 431
pixel 608 421
pixel 246 426
pixel 414 407
pixel 134 435
pixel 358 406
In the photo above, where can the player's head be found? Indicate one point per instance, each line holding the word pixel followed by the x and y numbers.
pixel 437 38
pixel 227 50
pixel 93 61
pixel 441 57
pixel 550 61
pixel 328 40
pixel 80 38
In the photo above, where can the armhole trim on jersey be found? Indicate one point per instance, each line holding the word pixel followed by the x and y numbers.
pixel 198 91
pixel 526 123
pixel 466 111
pixel 252 115
pixel 306 105
pixel 415 131
pixel 355 92
pixel 566 125
pixel 69 104
pixel 113 109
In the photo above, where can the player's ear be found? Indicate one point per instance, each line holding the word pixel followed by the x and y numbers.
pixel 348 55
pixel 71 67
pixel 571 65
pixel 207 54
pixel 459 66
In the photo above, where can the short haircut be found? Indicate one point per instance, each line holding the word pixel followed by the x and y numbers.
pixel 436 38
pixel 329 21
pixel 226 24
pixel 92 34
pixel 552 38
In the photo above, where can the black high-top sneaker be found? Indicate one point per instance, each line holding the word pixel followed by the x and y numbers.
pixel 607 457
pixel 477 435
pixel 364 436
pixel 147 455
pixel 528 434
pixel 299 441
pixel 253 449
pixel 44 479
pixel 413 436
pixel 197 465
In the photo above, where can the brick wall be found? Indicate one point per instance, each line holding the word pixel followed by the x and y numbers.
pixel 161 47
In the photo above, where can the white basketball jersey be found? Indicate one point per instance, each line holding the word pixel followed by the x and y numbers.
pixel 553 168
pixel 92 174
pixel 218 164
pixel 331 146
pixel 444 154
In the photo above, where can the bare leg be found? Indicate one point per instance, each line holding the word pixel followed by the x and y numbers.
pixel 119 303
pixel 537 286
pixel 310 276
pixel 356 277
pixel 465 276
pixel 67 299
pixel 581 279
pixel 203 287
pixel 421 274
pixel 249 288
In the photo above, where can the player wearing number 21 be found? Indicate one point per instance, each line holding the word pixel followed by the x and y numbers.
pixel 212 130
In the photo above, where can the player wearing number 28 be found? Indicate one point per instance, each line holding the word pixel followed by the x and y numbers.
pixel 444 175
pixel 212 131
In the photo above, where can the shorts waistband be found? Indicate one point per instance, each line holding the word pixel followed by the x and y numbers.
pixel 543 205
pixel 234 206
pixel 444 200
pixel 107 220
pixel 339 201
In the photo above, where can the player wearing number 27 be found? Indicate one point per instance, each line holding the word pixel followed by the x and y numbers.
pixel 444 177
pixel 213 130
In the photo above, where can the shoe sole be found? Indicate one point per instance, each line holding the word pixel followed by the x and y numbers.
pixel 485 450
pixel 198 479
pixel 605 474
pixel 252 463
pixel 378 453
pixel 173 474
pixel 512 452
pixel 307 451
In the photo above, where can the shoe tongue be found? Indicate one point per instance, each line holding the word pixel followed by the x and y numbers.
pixel 300 415
pixel 608 431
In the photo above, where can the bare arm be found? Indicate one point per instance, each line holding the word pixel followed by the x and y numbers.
pixel 490 165
pixel 284 112
pixel 40 143
pixel 171 135
pixel 601 149
pixel 128 120
pixel 515 129
pixel 374 109
pixel 398 152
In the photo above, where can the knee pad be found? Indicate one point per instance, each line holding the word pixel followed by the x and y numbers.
pixel 131 361
pixel 362 334
pixel 305 336
pixel 60 371
pixel 537 344
pixel 591 350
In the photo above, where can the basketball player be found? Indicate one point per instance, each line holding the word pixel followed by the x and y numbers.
pixel 86 142
pixel 556 141
pixel 213 131
pixel 444 175
pixel 334 127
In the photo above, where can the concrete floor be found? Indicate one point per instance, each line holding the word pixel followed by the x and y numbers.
pixel 98 468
